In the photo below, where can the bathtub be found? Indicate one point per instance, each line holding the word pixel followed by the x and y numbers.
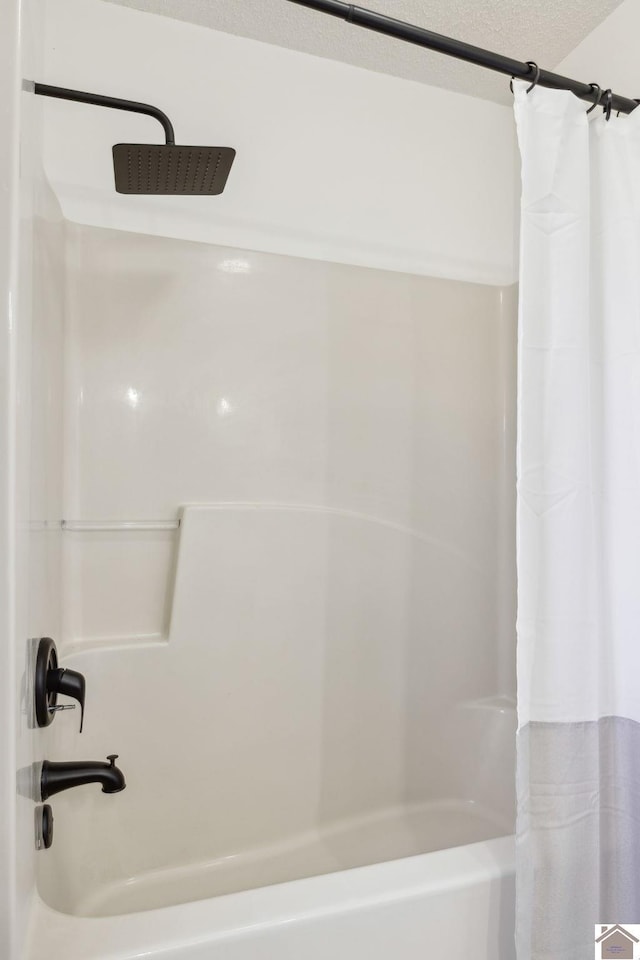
pixel 453 903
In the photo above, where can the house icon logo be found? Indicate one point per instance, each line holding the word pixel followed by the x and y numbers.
pixel 615 942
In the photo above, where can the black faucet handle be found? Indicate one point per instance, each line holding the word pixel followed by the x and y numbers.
pixel 50 680
pixel 71 684
pixel 112 757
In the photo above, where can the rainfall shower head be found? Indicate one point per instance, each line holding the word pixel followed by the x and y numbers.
pixel 170 169
pixel 151 168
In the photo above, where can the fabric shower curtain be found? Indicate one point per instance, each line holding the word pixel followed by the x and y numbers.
pixel 578 526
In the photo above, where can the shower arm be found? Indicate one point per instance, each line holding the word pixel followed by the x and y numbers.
pixel 379 23
pixel 97 100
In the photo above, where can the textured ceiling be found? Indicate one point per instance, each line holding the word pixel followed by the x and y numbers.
pixel 541 30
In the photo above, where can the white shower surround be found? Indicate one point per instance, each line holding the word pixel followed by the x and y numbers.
pixel 364 716
pixel 392 395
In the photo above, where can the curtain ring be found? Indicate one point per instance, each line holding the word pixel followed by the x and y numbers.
pixel 534 66
pixel 597 99
pixel 608 97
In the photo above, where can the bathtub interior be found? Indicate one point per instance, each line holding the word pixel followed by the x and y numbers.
pixel 286 566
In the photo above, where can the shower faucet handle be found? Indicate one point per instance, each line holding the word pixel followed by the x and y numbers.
pixel 71 684
pixel 50 680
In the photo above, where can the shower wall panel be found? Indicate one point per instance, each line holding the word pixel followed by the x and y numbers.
pixel 320 634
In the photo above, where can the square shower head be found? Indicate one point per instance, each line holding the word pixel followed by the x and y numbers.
pixel 152 168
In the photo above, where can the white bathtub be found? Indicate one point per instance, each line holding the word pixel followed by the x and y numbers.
pixel 455 903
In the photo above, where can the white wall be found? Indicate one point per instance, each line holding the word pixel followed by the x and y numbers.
pixel 609 54
pixel 9 120
pixel 334 162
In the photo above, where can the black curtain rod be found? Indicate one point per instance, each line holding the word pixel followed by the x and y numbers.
pixel 463 51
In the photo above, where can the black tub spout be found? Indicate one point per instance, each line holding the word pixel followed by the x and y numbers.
pixel 57 777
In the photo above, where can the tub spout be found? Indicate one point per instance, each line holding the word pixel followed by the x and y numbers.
pixel 62 776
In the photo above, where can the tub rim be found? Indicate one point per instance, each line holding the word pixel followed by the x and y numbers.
pixel 197 922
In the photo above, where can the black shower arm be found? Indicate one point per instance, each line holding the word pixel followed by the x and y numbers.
pixel 96 99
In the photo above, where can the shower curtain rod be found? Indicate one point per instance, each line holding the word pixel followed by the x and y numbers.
pixel 379 23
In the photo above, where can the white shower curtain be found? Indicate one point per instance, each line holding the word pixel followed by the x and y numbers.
pixel 578 831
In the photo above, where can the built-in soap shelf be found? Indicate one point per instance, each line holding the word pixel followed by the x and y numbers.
pixel 106 526
pixel 118 580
